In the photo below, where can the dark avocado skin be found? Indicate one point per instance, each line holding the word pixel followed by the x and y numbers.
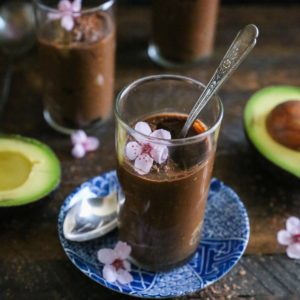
pixel 276 173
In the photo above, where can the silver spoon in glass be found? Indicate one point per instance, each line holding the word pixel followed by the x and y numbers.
pixel 237 52
pixel 16 37
pixel 91 216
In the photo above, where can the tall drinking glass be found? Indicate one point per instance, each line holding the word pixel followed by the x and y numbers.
pixel 164 179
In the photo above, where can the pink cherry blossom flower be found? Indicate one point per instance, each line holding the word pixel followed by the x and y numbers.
pixel 145 153
pixel 67 11
pixel 291 237
pixel 83 143
pixel 116 266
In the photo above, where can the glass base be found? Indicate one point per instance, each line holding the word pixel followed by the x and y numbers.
pixel 156 57
pixel 66 130
pixel 161 268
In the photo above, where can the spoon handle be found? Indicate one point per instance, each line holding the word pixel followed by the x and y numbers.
pixel 237 52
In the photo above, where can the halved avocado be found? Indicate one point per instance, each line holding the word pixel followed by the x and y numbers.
pixel 256 114
pixel 29 170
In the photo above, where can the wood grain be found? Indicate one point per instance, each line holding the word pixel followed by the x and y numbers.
pixel 32 263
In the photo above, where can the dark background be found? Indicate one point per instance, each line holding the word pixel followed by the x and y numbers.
pixel 230 2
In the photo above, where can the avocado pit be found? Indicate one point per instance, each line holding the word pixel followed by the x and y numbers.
pixel 283 124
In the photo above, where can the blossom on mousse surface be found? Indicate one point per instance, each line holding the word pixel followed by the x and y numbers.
pixel 290 237
pixel 144 153
pixel 116 266
pixel 67 12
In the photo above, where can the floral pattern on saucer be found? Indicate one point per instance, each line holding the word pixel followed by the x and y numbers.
pixel 225 235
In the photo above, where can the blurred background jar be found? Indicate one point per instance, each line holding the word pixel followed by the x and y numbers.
pixel 183 31
pixel 76 41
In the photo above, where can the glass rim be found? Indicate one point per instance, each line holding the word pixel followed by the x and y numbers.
pixel 173 142
pixel 106 5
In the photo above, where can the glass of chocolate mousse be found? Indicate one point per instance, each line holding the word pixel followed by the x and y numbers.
pixel 76 42
pixel 164 179
pixel 182 31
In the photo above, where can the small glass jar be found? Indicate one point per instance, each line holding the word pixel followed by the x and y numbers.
pixel 77 60
pixel 162 206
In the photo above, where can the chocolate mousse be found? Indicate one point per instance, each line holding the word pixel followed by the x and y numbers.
pixel 183 31
pixel 78 70
pixel 162 215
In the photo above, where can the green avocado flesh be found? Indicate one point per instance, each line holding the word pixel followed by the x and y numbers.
pixel 29 170
pixel 255 115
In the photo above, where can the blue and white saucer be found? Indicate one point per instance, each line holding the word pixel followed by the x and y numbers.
pixel 225 235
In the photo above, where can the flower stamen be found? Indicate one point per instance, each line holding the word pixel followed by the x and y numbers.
pixel 296 238
pixel 118 264
pixel 146 148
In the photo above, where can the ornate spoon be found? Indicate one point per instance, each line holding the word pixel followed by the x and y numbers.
pixel 237 52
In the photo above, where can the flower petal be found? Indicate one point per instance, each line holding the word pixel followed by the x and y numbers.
pixel 124 277
pixel 293 251
pixel 293 225
pixel 91 143
pixel 284 237
pixel 110 273
pixel 76 5
pixel 127 265
pixel 143 164
pixel 143 128
pixel 78 137
pixel 133 150
pixel 78 151
pixel 161 134
pixel 106 256
pixel 64 5
pixel 159 153
pixel 122 250
pixel 67 22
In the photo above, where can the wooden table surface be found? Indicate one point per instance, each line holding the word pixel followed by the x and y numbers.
pixel 32 262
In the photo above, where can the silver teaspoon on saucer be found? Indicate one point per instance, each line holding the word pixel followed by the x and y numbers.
pixel 91 217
